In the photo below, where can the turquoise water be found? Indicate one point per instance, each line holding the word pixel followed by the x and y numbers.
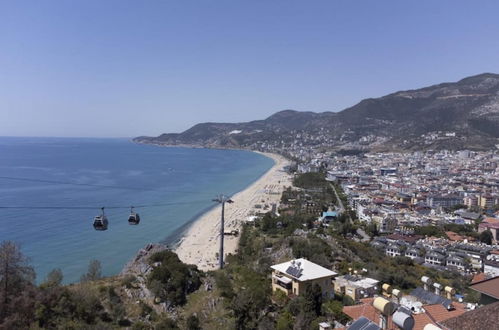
pixel 174 184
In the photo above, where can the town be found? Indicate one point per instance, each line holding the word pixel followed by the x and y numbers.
pixel 435 210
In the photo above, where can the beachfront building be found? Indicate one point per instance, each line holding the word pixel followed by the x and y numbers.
pixel 293 277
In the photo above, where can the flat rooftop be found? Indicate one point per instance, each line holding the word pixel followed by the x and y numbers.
pixel 307 270
pixel 357 281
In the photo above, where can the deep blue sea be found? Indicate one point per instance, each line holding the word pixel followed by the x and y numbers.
pixel 174 184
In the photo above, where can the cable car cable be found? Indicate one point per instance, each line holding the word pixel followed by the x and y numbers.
pixel 96 185
pixel 96 207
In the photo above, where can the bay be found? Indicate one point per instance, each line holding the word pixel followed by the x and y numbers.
pixel 75 177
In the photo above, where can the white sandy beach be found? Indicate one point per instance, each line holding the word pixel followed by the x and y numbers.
pixel 200 244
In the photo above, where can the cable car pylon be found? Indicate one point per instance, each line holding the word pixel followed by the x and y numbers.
pixel 222 199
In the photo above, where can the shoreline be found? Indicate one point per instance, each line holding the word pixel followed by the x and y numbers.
pixel 199 242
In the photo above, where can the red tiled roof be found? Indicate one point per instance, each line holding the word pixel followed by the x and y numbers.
pixel 439 313
pixel 488 225
pixel 489 287
pixel 454 236
pixel 365 308
pixel 478 278
pixel 486 317
pixel 434 313
pixel 490 220
pixel 421 320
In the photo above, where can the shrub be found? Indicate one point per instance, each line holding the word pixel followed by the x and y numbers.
pixel 172 280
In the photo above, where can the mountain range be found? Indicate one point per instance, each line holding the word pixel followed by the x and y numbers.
pixel 457 115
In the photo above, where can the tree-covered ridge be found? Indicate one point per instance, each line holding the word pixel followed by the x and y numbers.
pixel 400 120
pixel 95 302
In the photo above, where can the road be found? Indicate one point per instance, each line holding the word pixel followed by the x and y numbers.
pixel 340 202
pixel 360 231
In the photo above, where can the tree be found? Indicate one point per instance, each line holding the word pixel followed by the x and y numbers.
pixel 15 273
pixel 285 321
pixel 166 324
pixel 334 309
pixel 192 323
pixel 313 297
pixel 171 280
pixel 372 229
pixel 93 273
pixel 54 278
pixel 486 237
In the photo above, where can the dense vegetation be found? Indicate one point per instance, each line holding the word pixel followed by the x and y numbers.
pixel 310 181
pixel 94 303
pixel 50 305
pixel 171 280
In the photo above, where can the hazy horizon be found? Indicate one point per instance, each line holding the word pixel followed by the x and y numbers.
pixel 125 69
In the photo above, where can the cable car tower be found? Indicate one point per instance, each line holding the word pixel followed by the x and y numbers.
pixel 222 199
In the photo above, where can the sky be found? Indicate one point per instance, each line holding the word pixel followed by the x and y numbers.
pixel 103 68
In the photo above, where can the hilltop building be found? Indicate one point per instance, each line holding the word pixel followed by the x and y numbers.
pixel 293 277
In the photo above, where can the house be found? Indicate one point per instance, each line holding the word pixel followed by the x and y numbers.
pixel 413 252
pixel 385 224
pixel 456 261
pixel 443 200
pixel 356 286
pixel 470 201
pixel 384 171
pixel 491 224
pixel 434 257
pixel 474 253
pixel 393 250
pixel 487 201
pixel 327 217
pixel 488 289
pixel 293 277
pixel 469 217
pixel 429 314
pixel 491 266
pixel 486 317
pixel 455 237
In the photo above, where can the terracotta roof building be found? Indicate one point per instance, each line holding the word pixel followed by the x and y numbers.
pixel 432 314
pixel 489 290
pixel 491 224
pixel 486 317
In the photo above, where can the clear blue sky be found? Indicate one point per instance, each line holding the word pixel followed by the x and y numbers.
pixel 127 68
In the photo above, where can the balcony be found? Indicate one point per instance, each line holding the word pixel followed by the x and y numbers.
pixel 283 283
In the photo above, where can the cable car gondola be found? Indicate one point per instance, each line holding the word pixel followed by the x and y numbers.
pixel 100 221
pixel 134 218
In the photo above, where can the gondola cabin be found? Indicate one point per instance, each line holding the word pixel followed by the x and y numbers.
pixel 133 218
pixel 100 221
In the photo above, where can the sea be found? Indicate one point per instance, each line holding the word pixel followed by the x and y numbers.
pixel 52 188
